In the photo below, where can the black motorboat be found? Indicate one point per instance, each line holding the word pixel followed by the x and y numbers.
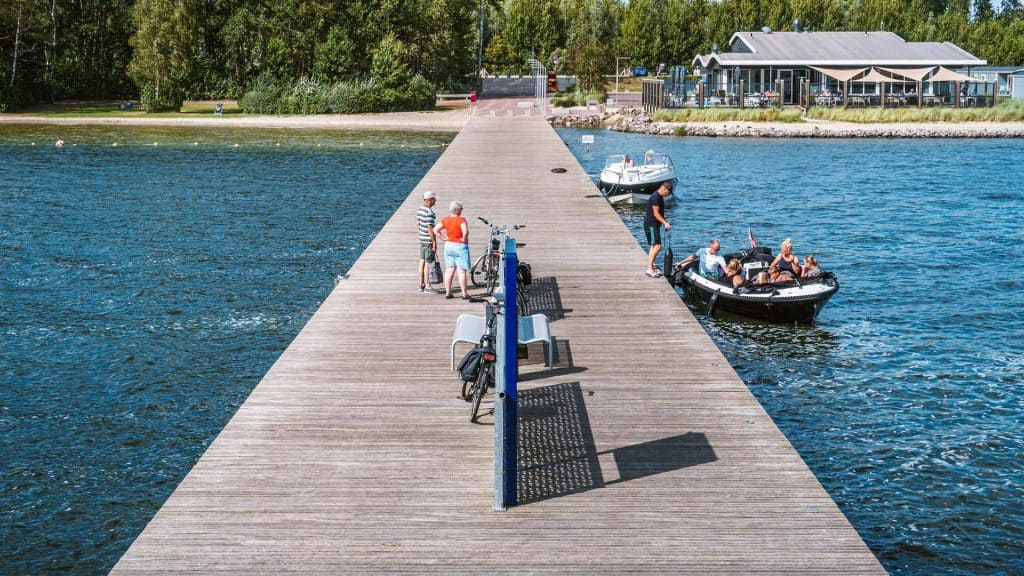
pixel 793 301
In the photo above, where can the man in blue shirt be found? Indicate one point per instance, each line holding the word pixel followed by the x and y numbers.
pixel 711 264
pixel 654 219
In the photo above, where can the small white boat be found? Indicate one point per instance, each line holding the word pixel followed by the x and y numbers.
pixel 622 181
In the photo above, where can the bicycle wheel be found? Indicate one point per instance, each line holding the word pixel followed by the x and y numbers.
pixel 492 274
pixel 479 389
pixel 467 390
pixel 522 301
pixel 478 274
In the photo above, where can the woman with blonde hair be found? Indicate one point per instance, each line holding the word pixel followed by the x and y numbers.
pixel 786 260
pixel 732 274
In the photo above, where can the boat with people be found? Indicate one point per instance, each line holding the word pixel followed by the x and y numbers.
pixel 623 181
pixel 794 300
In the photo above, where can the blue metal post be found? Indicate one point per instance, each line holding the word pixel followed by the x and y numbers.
pixel 506 422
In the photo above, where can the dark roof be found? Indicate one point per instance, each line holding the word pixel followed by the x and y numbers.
pixel 836 49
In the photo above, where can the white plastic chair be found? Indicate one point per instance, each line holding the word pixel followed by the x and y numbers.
pixel 535 328
pixel 468 328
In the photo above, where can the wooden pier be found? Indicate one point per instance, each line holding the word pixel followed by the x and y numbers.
pixel 641 452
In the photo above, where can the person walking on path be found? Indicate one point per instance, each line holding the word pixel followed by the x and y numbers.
pixel 426 219
pixel 654 219
pixel 454 231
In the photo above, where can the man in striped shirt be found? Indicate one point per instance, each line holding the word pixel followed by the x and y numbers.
pixel 426 219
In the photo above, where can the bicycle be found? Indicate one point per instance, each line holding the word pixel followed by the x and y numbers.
pixel 485 270
pixel 479 364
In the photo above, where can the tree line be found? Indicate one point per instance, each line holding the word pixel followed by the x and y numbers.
pixel 368 52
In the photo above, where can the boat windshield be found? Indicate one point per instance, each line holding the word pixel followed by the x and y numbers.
pixel 614 160
pixel 657 160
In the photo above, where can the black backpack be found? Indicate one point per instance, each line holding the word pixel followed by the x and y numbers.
pixel 469 367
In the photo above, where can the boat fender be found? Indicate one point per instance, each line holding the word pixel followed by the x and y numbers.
pixel 712 303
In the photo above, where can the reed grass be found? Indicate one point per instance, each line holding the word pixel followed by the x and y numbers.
pixel 1005 111
pixel 727 115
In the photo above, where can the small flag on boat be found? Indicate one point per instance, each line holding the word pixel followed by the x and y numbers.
pixel 750 236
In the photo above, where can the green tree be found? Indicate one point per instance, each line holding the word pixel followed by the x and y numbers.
pixel 640 33
pixel 500 58
pixel 983 10
pixel 390 68
pixel 334 56
pixel 163 65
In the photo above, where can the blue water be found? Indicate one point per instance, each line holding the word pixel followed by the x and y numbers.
pixel 906 398
pixel 146 289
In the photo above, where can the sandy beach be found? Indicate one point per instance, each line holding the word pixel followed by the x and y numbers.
pixel 443 120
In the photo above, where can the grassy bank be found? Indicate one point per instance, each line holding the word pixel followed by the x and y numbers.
pixel 104 109
pixel 1006 111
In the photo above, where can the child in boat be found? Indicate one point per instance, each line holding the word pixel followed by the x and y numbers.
pixel 810 268
pixel 763 278
pixel 779 275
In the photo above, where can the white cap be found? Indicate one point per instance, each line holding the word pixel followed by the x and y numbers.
pixel 429 195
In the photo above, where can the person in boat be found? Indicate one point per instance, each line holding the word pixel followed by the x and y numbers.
pixel 732 274
pixel 810 268
pixel 711 264
pixel 628 162
pixel 763 277
pixel 654 219
pixel 786 261
pixel 778 275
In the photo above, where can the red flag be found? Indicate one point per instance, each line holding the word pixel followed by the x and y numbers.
pixel 750 236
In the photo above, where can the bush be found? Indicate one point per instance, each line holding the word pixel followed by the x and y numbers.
pixel 308 96
pixel 169 98
pixel 262 96
pixel 355 97
pixel 420 94
pixel 569 99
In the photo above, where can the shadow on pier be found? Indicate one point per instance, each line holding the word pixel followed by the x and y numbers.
pixel 557 455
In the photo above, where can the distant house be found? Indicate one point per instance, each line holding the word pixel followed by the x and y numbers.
pixel 1001 75
pixel 848 62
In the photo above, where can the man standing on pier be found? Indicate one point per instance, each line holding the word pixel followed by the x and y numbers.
pixel 426 219
pixel 654 219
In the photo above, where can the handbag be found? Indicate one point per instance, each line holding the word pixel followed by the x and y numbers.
pixel 436 275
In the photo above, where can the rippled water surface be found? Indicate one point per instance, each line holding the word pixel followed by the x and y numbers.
pixel 146 289
pixel 906 398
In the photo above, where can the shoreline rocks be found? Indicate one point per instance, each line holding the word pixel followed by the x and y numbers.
pixel 634 122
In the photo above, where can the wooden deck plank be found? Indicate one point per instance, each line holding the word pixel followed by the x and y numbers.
pixel 354 456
